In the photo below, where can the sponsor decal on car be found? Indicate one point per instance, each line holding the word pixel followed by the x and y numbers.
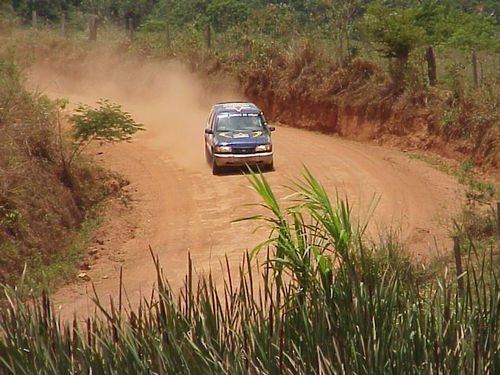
pixel 254 134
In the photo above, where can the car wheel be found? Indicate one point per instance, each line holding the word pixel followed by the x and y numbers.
pixel 215 168
pixel 270 167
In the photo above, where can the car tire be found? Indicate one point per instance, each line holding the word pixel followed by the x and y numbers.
pixel 270 167
pixel 215 168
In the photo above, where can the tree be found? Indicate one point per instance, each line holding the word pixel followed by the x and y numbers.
pixel 393 32
pixel 123 9
pixel 105 124
pixel 48 9
pixel 179 13
pixel 276 20
pixel 472 33
pixel 223 14
pixel 342 14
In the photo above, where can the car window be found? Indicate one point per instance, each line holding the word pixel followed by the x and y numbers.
pixel 230 122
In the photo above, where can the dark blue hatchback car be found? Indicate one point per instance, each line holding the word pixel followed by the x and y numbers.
pixel 237 134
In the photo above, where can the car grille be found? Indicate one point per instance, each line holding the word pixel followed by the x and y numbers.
pixel 243 149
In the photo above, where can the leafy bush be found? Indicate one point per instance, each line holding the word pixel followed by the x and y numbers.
pixel 105 124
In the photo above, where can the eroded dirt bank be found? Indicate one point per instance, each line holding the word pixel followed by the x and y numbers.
pixel 177 207
pixel 361 102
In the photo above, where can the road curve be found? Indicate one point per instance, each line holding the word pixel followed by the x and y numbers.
pixel 178 207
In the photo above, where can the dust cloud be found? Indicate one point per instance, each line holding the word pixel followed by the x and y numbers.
pixel 172 102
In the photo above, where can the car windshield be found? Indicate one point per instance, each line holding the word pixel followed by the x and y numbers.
pixel 230 122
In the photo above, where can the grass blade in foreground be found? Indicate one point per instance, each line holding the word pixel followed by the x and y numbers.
pixel 341 309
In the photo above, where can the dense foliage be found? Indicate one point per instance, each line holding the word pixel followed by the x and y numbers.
pixel 439 18
pixel 395 28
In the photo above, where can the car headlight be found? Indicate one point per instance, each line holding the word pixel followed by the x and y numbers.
pixel 223 149
pixel 267 147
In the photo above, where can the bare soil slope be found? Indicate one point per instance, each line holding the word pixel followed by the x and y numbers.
pixel 177 207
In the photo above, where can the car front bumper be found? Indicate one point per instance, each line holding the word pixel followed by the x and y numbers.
pixel 260 158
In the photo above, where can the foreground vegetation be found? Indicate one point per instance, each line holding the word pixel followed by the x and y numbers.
pixel 323 303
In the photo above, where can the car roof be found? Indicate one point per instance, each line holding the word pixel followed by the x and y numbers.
pixel 235 107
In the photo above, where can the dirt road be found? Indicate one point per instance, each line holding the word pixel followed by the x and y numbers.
pixel 177 207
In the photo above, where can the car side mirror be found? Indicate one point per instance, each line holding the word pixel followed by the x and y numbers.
pixel 271 128
pixel 208 131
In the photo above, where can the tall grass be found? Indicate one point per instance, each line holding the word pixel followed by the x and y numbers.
pixel 323 303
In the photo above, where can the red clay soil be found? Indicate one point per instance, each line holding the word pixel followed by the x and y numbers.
pixel 360 102
pixel 176 206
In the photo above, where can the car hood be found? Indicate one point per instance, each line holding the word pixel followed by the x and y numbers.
pixel 242 137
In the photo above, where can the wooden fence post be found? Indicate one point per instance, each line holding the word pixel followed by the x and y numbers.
pixel 34 20
pixel 63 24
pixel 458 263
pixel 92 28
pixel 130 30
pixel 167 35
pixel 208 37
pixel 431 65
pixel 474 69
pixel 498 218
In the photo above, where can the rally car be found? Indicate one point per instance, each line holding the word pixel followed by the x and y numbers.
pixel 237 134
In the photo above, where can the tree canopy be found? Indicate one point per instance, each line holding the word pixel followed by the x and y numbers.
pixel 393 27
